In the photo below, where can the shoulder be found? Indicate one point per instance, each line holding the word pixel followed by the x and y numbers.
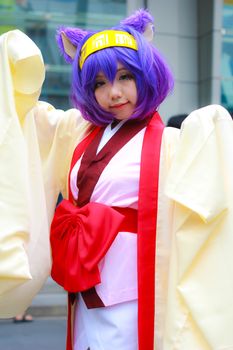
pixel 208 115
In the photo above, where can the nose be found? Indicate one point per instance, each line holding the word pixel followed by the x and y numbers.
pixel 115 91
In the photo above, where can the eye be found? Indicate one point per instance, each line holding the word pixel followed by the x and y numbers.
pixel 98 84
pixel 126 76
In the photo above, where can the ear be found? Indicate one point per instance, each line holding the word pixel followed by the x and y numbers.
pixel 149 32
pixel 141 21
pixel 69 48
pixel 68 39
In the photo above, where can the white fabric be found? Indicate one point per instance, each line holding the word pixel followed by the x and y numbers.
pixel 108 133
pixel 116 324
pixel 118 186
pixel 165 210
pixel 118 183
pixel 112 327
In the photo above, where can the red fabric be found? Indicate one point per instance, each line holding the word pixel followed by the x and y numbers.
pixel 80 238
pixel 91 168
pixel 69 342
pixel 79 151
pixel 147 220
pixel 90 296
pixel 76 155
pixel 93 163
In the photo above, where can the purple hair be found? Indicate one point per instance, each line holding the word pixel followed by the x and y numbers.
pixel 153 78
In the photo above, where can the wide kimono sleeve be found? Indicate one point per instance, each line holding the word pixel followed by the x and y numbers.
pixel 199 311
pixel 170 142
pixel 36 144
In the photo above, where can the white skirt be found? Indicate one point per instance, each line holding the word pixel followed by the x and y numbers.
pixel 112 327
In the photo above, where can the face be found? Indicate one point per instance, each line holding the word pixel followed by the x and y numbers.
pixel 118 97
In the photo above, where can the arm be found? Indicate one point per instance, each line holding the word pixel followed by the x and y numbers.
pixel 36 143
pixel 22 73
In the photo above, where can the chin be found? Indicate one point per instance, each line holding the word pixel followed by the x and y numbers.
pixel 122 117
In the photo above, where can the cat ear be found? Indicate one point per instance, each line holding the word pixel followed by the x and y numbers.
pixel 68 40
pixel 142 22
pixel 149 32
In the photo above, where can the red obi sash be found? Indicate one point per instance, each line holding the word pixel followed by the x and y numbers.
pixel 78 246
pixel 77 269
pixel 82 232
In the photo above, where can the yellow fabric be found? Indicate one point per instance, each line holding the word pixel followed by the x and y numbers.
pixel 13 194
pixel 169 145
pixel 36 144
pixel 107 38
pixel 199 308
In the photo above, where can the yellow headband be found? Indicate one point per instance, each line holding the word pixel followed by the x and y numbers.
pixel 107 38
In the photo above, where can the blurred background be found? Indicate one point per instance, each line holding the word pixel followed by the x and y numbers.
pixel 195 36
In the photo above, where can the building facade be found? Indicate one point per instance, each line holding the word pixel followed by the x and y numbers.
pixel 195 37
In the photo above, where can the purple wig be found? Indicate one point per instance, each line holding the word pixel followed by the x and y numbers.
pixel 152 76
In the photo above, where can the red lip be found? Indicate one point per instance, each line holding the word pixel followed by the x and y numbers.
pixel 119 105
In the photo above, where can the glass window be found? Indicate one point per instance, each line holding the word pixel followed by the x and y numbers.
pixel 39 19
pixel 227 57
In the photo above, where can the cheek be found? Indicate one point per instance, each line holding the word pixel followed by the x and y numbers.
pixel 100 97
pixel 97 96
pixel 134 94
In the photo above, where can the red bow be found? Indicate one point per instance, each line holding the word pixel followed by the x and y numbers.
pixel 80 238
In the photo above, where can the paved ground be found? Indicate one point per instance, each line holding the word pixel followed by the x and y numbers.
pixel 41 334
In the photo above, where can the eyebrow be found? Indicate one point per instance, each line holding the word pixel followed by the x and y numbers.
pixel 101 75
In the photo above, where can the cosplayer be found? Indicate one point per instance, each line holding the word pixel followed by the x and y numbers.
pixel 119 80
pixel 142 240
